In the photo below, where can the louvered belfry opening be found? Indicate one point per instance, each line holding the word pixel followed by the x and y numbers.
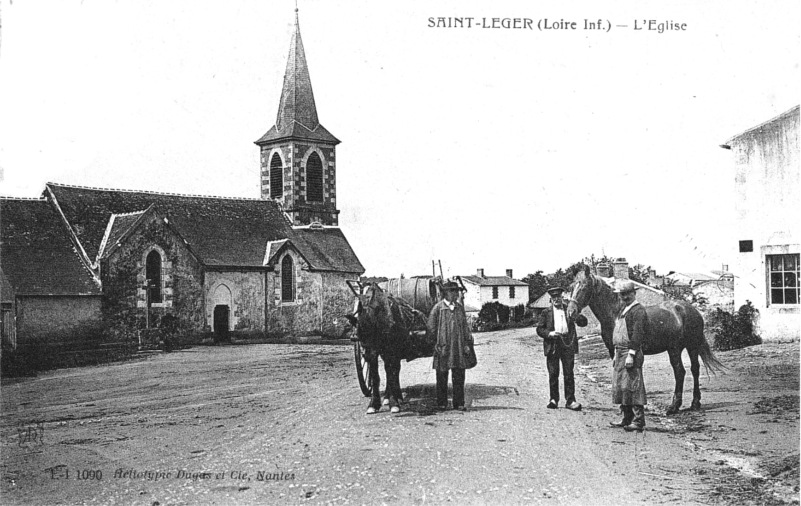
pixel 314 179
pixel 287 279
pixel 276 177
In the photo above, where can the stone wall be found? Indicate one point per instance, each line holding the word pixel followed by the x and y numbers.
pixel 123 276
pixel 294 156
pixel 321 301
pixel 57 319
pixel 242 292
pixel 338 301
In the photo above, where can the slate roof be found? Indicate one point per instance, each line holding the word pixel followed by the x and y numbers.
pixel 297 112
pixel 762 127
pixel 118 224
pixel 221 231
pixel 37 254
pixel 493 281
pixel 326 249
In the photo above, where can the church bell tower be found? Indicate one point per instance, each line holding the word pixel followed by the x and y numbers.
pixel 298 163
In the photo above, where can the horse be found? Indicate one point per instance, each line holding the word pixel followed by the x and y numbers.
pixel 385 326
pixel 674 327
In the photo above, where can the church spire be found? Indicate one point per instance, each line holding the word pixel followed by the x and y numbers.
pixel 297 111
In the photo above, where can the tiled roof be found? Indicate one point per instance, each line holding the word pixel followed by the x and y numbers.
pixel 493 281
pixel 37 253
pixel 221 231
pixel 297 112
pixel 326 249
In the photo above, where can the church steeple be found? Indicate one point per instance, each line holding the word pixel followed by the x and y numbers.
pixel 297 153
pixel 297 111
pixel 297 97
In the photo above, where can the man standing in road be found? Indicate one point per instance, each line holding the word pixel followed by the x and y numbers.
pixel 560 344
pixel 628 387
pixel 447 325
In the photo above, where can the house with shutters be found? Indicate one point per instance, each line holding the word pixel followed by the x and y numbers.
pixel 506 290
pixel 79 257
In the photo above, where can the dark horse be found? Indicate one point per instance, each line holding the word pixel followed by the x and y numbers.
pixel 674 326
pixel 385 326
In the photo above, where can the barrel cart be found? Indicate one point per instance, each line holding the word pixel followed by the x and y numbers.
pixel 418 296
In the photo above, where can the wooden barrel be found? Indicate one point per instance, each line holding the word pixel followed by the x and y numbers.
pixel 420 293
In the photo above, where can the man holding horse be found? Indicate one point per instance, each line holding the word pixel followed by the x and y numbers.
pixel 447 326
pixel 560 344
pixel 628 387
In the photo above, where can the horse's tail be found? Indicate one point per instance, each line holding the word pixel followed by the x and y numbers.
pixel 694 330
pixel 711 362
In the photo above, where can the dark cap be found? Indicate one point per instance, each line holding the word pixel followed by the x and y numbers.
pixel 555 291
pixel 450 285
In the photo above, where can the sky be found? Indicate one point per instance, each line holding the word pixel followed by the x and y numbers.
pixel 480 147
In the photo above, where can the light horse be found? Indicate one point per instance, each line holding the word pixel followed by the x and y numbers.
pixel 674 326
pixel 384 326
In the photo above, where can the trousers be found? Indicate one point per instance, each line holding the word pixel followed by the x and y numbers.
pixel 458 387
pixel 568 359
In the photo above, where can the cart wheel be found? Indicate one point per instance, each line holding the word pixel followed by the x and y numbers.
pixel 362 371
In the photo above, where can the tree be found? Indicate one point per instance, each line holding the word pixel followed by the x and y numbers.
pixel 561 278
pixel 537 284
pixel 639 273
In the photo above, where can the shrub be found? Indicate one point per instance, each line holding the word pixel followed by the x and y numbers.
pixel 734 330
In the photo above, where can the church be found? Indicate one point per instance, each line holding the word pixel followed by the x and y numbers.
pixel 82 260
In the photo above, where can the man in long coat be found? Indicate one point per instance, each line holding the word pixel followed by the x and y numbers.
pixel 628 387
pixel 560 344
pixel 447 326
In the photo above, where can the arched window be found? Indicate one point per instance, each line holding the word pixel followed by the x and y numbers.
pixel 153 273
pixel 276 177
pixel 287 279
pixel 314 178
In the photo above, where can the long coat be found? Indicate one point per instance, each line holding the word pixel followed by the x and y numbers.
pixel 559 345
pixel 449 329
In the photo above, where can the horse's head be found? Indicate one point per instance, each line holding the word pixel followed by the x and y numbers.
pixel 581 290
pixel 374 315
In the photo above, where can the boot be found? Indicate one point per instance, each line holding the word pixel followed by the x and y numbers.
pixel 628 416
pixel 638 422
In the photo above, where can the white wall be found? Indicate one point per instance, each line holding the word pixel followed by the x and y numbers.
pixel 767 210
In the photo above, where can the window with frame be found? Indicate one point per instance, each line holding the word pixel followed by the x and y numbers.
pixel 287 279
pixel 783 278
pixel 511 292
pixel 494 292
pixel 153 275
pixel 314 178
pixel 276 177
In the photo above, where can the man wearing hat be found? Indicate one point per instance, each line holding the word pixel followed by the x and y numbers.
pixel 560 344
pixel 628 387
pixel 447 325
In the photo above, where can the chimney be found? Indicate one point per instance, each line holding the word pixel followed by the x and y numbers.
pixel 604 270
pixel 509 273
pixel 480 273
pixel 621 267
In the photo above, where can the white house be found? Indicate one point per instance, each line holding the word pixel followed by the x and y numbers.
pixel 767 209
pixel 504 289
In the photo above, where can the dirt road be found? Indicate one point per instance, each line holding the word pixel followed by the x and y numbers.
pixel 267 424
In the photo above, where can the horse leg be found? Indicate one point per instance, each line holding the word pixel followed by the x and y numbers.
pixel 678 373
pixel 695 368
pixel 392 367
pixel 375 387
